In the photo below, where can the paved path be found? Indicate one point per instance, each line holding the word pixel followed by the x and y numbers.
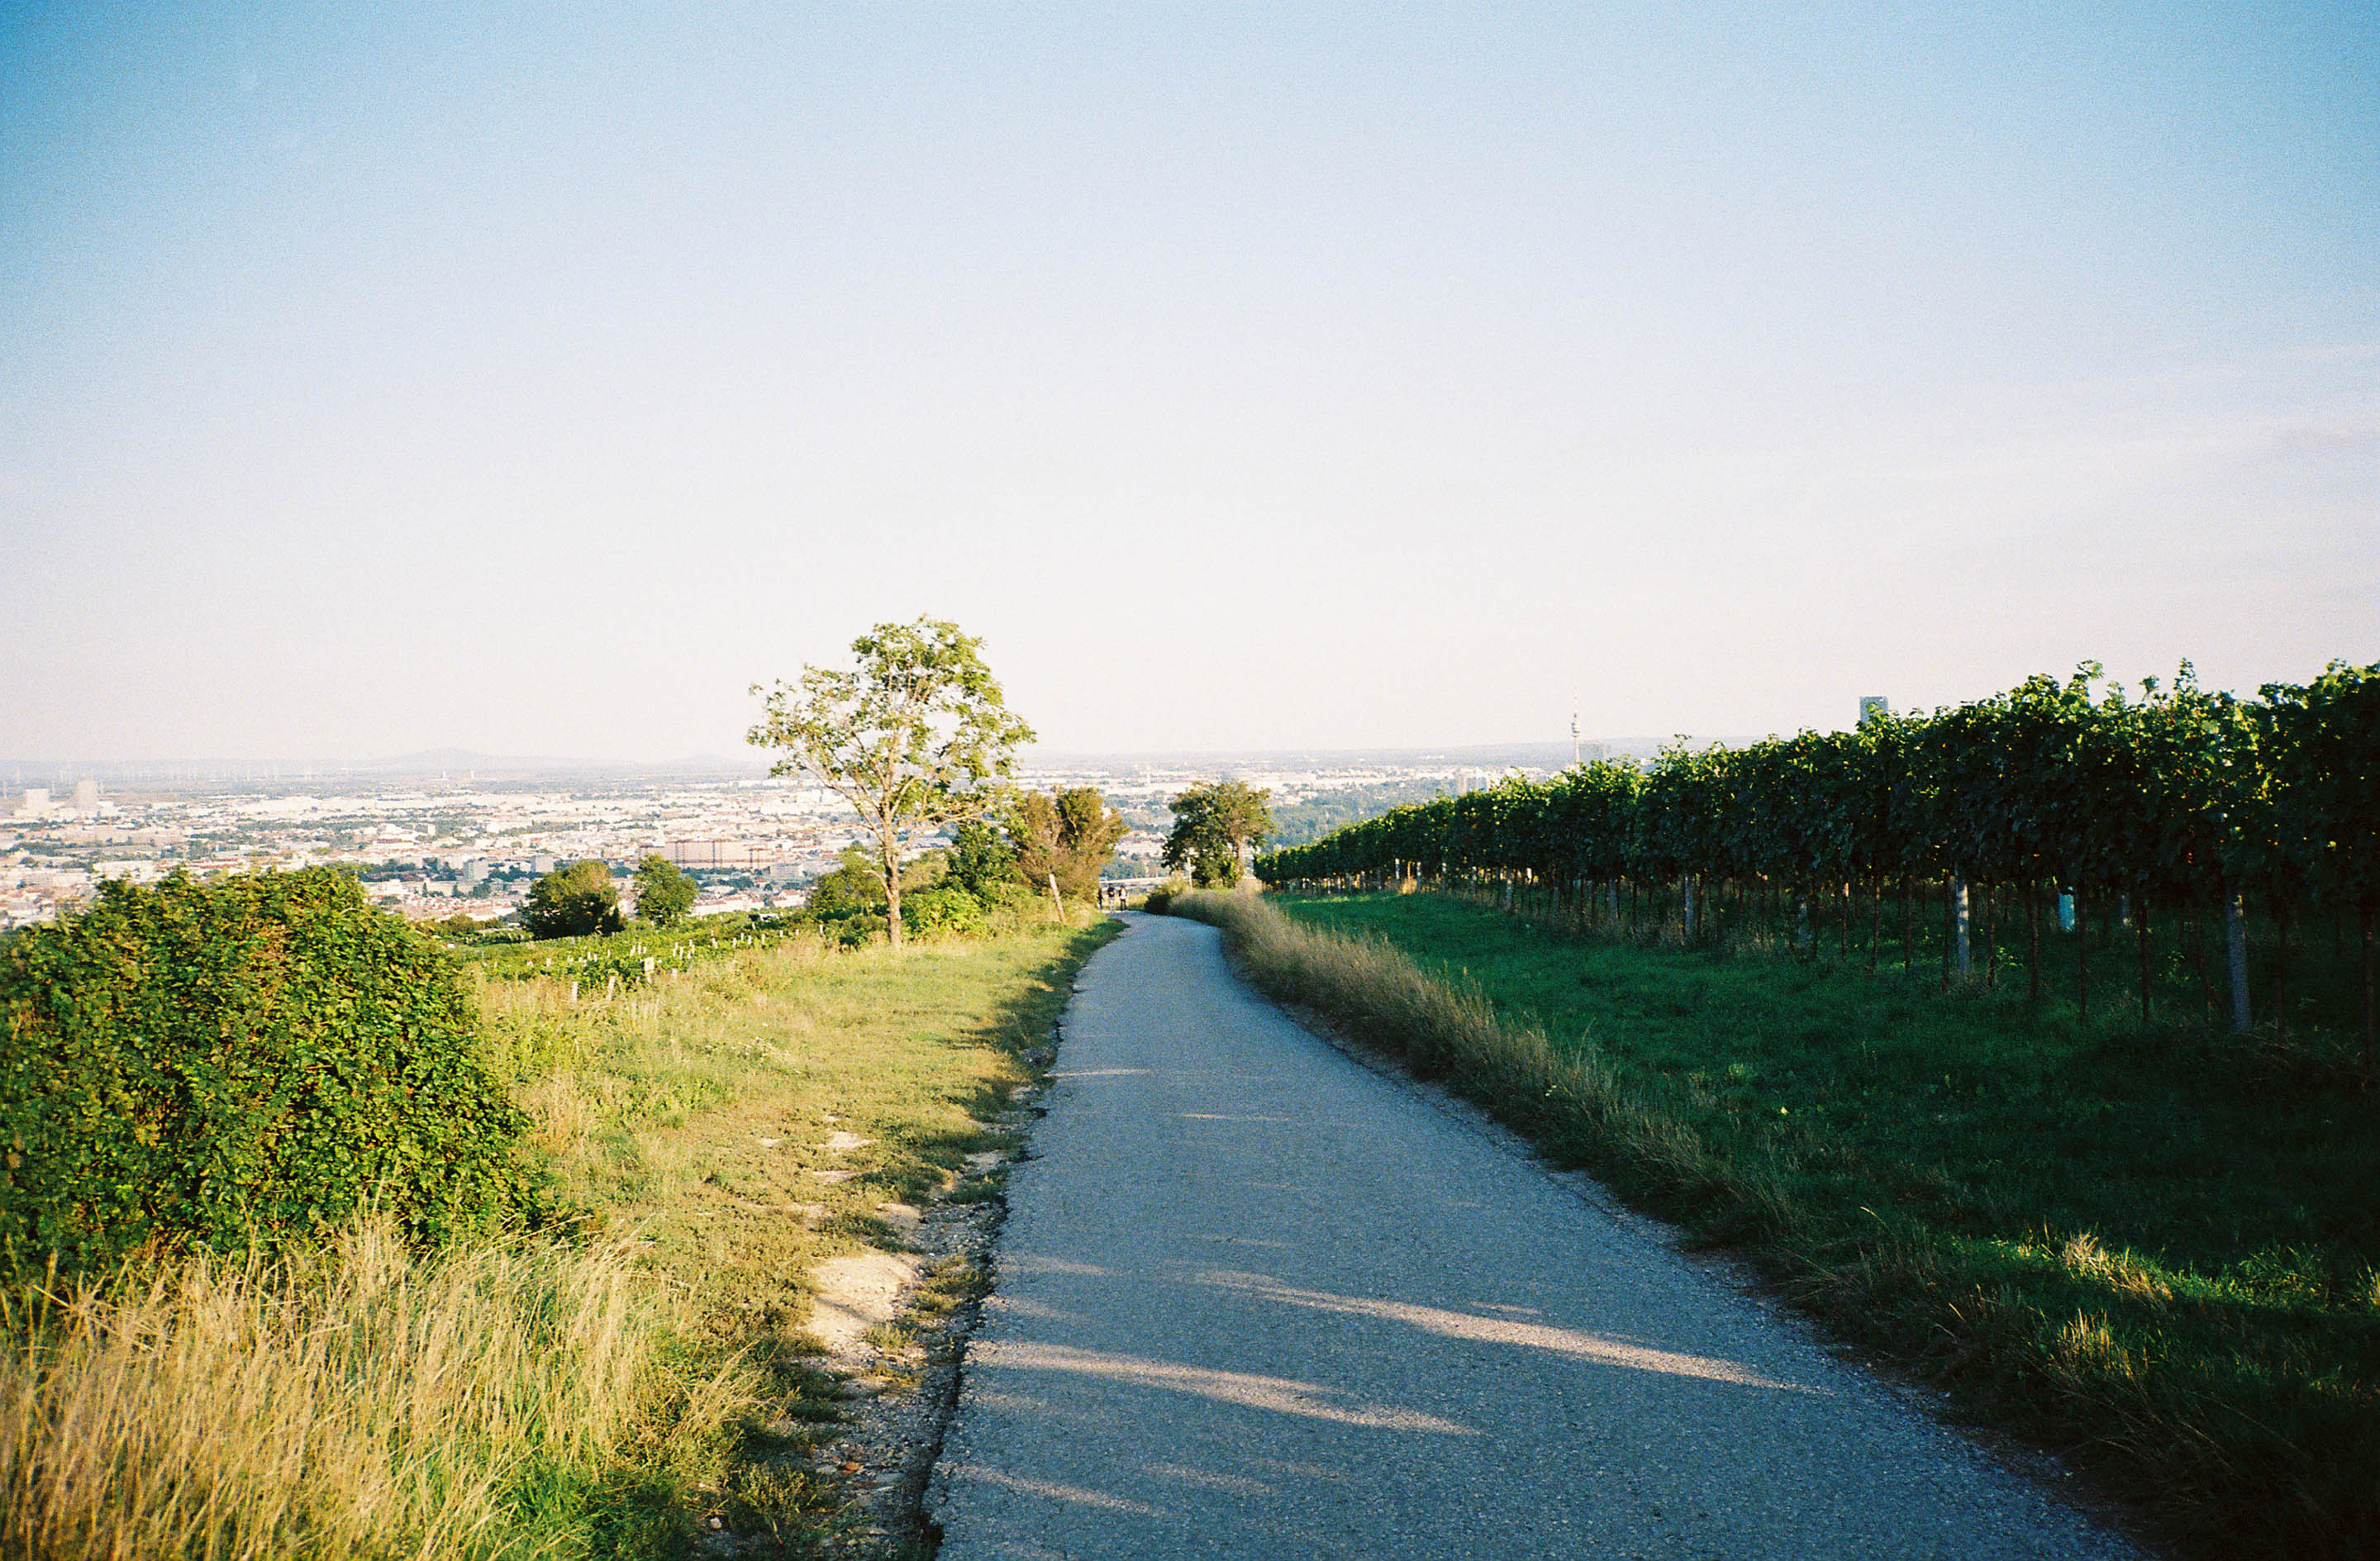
pixel 1256 1300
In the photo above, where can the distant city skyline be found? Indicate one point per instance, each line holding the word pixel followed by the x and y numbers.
pixel 1249 378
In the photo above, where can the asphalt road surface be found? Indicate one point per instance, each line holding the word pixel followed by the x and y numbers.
pixel 1256 1299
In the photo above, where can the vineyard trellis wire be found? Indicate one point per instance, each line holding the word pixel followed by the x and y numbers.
pixel 2160 810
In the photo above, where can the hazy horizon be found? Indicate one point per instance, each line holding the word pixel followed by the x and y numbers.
pixel 1250 379
pixel 1035 756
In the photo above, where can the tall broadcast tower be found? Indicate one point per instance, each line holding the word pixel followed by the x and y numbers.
pixel 1575 759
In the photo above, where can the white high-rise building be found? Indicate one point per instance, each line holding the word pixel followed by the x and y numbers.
pixel 37 800
pixel 85 797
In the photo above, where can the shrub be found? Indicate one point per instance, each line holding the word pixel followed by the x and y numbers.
pixel 852 886
pixel 854 929
pixel 228 1063
pixel 944 909
pixel 1160 899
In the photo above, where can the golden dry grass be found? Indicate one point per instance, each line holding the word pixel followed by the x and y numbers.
pixel 359 1400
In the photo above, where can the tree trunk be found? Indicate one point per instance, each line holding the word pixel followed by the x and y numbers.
pixel 1991 936
pixel 1908 931
pixel 2082 958
pixel 1875 918
pixel 1843 904
pixel 2140 933
pixel 891 868
pixel 2198 953
pixel 2363 920
pixel 2280 970
pixel 1949 936
pixel 2032 940
pixel 1961 917
pixel 2235 941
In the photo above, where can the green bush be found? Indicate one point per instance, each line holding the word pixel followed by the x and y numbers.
pixel 1160 899
pixel 234 1062
pixel 945 909
pixel 852 886
pixel 854 929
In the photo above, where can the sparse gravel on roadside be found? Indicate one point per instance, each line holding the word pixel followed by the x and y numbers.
pixel 900 1401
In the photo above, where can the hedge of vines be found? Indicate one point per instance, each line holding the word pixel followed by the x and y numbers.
pixel 2177 801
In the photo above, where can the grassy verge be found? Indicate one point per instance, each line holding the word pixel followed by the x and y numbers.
pixel 2157 1260
pixel 361 1399
pixel 699 1115
pixel 601 1393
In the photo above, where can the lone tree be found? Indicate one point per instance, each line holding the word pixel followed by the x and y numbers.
pixel 1212 824
pixel 664 894
pixel 573 901
pixel 908 737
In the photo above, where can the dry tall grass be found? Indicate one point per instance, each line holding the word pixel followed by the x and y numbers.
pixel 359 1401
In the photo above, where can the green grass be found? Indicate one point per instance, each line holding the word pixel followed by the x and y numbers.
pixel 2150 1252
pixel 693 1113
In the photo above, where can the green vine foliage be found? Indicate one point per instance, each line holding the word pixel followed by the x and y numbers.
pixel 237 1062
pixel 2173 797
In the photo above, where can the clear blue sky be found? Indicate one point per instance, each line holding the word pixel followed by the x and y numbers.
pixel 534 379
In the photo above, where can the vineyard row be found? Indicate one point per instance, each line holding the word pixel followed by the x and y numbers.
pixel 2180 804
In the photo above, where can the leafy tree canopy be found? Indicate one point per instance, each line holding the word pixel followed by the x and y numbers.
pixel 908 737
pixel 573 901
pixel 1212 825
pixel 982 863
pixel 664 894
pixel 1069 834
